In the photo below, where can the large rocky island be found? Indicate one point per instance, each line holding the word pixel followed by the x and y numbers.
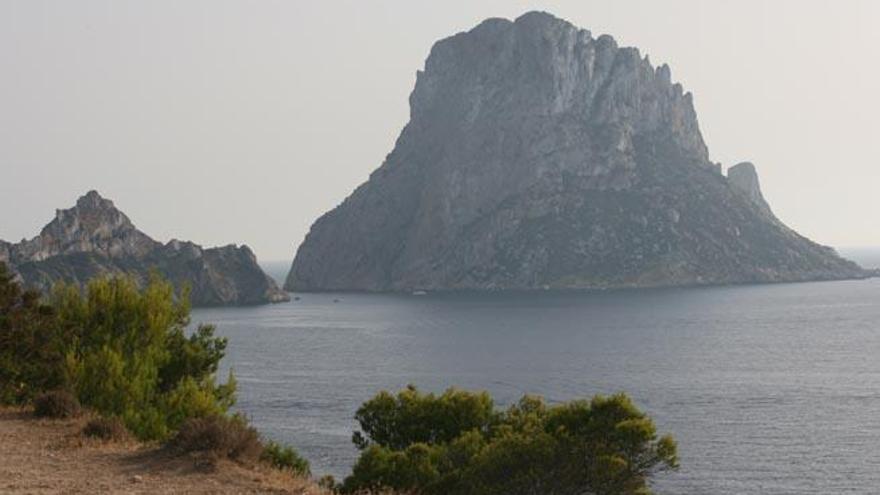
pixel 538 156
pixel 94 238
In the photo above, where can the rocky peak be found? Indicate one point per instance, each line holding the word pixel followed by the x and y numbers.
pixel 744 178
pixel 92 216
pixel 94 224
pixel 540 67
pixel 93 200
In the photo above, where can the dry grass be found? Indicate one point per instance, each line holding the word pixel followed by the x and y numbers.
pixel 107 429
pixel 220 437
pixel 56 404
pixel 51 456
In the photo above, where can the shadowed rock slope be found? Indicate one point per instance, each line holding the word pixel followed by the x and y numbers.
pixel 538 156
pixel 94 238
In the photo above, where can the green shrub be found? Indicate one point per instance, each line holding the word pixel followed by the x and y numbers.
pixel 411 417
pixel 603 446
pixel 56 404
pixel 31 345
pixel 286 458
pixel 227 437
pixel 106 428
pixel 129 356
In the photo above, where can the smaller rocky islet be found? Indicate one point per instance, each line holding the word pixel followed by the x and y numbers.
pixel 94 238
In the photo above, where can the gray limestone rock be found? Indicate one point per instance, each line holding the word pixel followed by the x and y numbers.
pixel 744 178
pixel 539 156
pixel 94 238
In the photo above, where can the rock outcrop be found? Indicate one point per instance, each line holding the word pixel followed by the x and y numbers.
pixel 744 177
pixel 94 238
pixel 538 156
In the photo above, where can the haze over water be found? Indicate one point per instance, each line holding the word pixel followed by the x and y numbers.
pixel 770 389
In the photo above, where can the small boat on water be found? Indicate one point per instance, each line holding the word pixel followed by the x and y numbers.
pixel 419 293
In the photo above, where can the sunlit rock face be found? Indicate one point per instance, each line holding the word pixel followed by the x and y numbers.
pixel 538 156
pixel 94 238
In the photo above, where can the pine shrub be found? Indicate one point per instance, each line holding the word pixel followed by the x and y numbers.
pixel 131 356
pixel 456 443
pixel 31 345
pixel 285 458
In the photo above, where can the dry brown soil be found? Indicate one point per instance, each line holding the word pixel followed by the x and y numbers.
pixel 39 456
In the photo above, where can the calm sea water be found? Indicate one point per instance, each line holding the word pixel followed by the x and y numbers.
pixel 771 389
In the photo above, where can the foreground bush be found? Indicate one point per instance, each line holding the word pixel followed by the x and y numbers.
pixel 104 428
pixel 456 443
pixel 230 437
pixel 31 345
pixel 121 349
pixel 285 458
pixel 56 404
pixel 127 355
pixel 223 437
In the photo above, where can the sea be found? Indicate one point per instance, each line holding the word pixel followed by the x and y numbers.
pixel 768 389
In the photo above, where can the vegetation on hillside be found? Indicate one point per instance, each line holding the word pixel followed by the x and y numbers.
pixel 31 346
pixel 120 349
pixel 124 352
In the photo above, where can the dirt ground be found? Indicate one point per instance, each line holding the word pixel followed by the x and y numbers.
pixel 39 456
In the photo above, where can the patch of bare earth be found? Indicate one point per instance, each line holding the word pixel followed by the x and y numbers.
pixel 41 456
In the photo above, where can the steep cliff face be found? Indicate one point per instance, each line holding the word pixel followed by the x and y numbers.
pixel 538 156
pixel 94 238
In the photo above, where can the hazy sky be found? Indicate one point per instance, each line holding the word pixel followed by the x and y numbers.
pixel 241 122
